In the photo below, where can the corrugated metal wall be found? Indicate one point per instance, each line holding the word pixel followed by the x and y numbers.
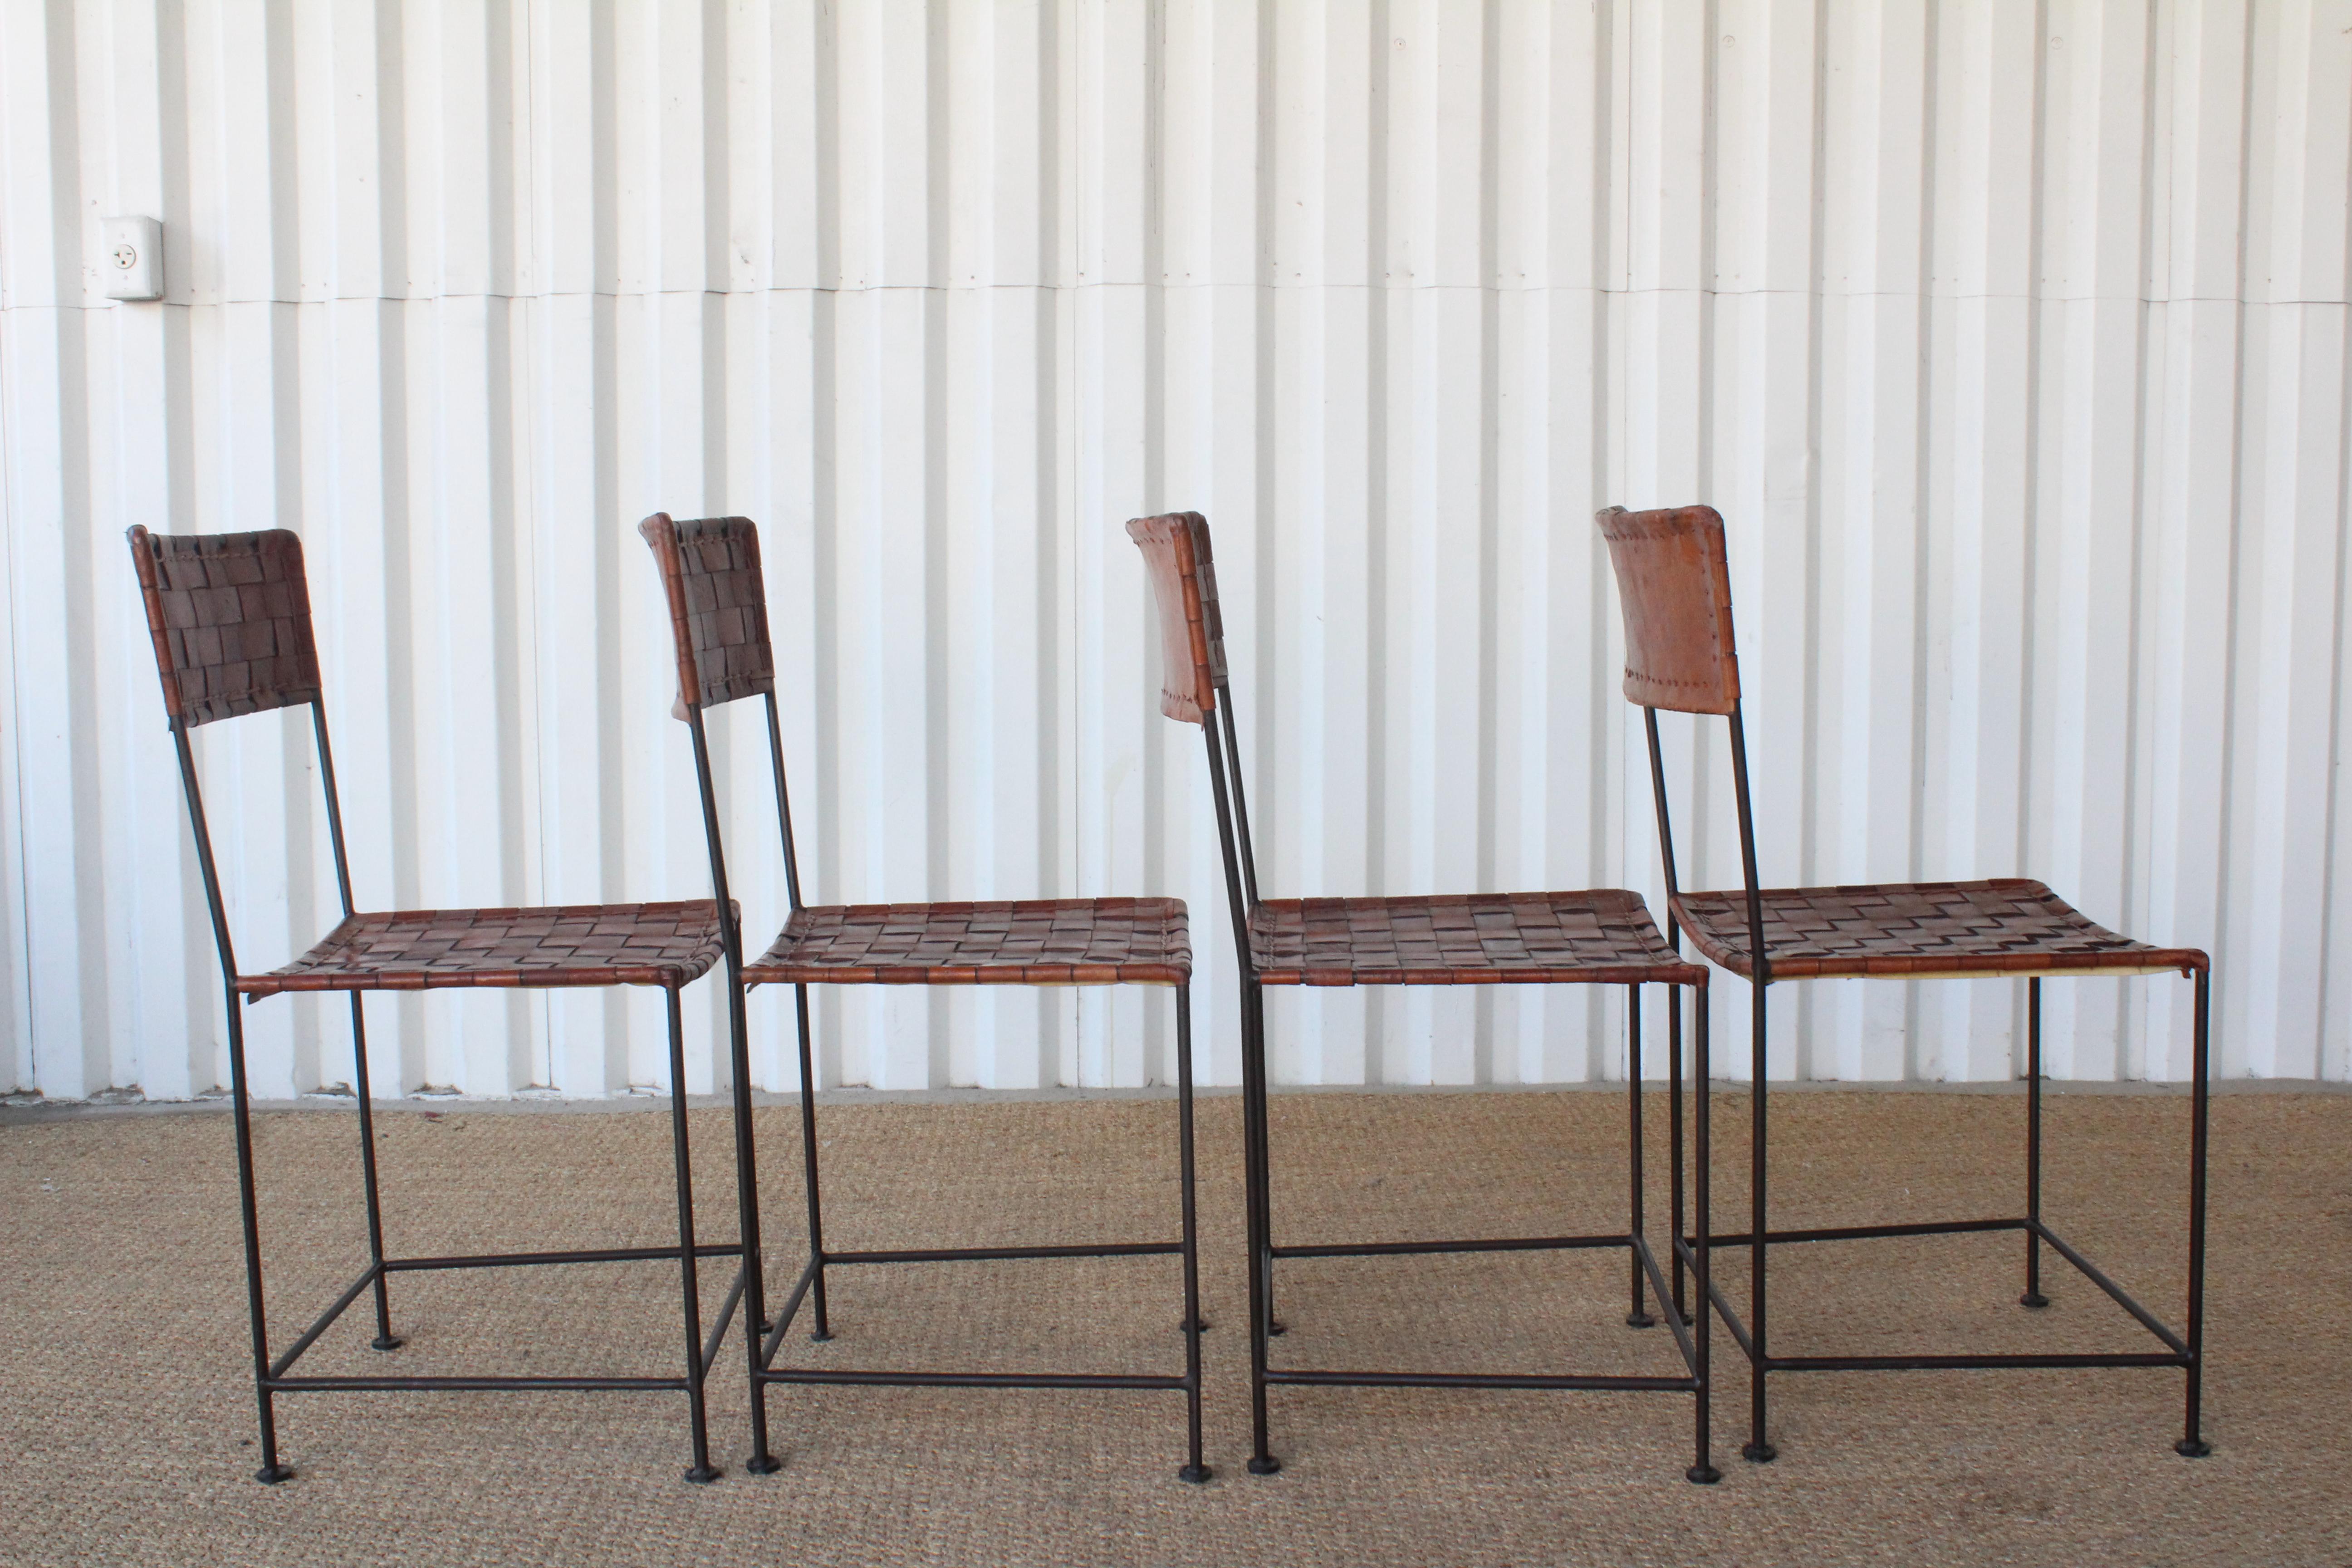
pixel 2010 337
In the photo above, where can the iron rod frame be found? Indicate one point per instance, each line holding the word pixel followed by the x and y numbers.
pixel 1689 1331
pixel 767 1337
pixel 2183 1350
pixel 273 1376
pixel 807 1288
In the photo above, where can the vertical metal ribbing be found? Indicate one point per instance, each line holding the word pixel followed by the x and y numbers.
pixel 2033 1296
pixel 2192 1444
pixel 1194 1470
pixel 1636 1318
pixel 688 1284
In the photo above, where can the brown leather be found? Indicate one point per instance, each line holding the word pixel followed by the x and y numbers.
pixel 1191 631
pixel 229 615
pixel 718 608
pixel 1603 937
pixel 2011 926
pixel 575 945
pixel 1675 589
pixel 1035 941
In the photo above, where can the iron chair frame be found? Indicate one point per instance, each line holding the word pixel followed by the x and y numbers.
pixel 809 1287
pixel 1690 1336
pixel 275 1375
pixel 2181 1350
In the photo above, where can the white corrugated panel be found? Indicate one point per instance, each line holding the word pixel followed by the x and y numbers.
pixel 2011 340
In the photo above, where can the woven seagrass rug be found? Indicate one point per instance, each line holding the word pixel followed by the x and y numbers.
pixel 126 1414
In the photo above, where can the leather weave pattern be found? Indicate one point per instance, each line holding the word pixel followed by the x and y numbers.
pixel 230 617
pixel 2010 926
pixel 575 944
pixel 719 606
pixel 1603 937
pixel 1037 942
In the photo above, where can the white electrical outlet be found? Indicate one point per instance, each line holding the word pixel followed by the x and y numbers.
pixel 131 258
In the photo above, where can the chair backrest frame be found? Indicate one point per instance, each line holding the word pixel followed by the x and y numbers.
pixel 717 594
pixel 1673 586
pixel 1196 688
pixel 217 605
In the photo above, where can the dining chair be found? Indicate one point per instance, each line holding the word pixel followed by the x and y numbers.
pixel 230 616
pixel 718 607
pixel 1598 937
pixel 1673 584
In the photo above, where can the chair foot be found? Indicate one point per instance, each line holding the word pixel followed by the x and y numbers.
pixel 703 1475
pixel 768 1464
pixel 1195 1474
pixel 2032 1297
pixel 1644 1320
pixel 2192 1447
pixel 1759 1453
pixel 393 1341
pixel 821 1336
pixel 270 1475
pixel 769 1328
pixel 1201 1325
pixel 1264 1464
pixel 1704 1475
pixel 1276 1326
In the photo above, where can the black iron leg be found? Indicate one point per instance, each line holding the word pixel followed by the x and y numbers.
pixel 2192 1444
pixel 271 1471
pixel 702 1471
pixel 1194 1470
pixel 1253 1179
pixel 1255 1000
pixel 1756 1450
pixel 1675 1139
pixel 747 1204
pixel 1703 1472
pixel 2033 1296
pixel 1639 1318
pixel 823 1329
pixel 385 1340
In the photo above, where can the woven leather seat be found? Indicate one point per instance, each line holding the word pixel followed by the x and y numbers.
pixel 1594 937
pixel 719 631
pixel 1920 930
pixel 572 945
pixel 1603 937
pixel 1034 942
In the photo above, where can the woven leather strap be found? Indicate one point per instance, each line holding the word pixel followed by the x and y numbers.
pixel 229 615
pixel 718 607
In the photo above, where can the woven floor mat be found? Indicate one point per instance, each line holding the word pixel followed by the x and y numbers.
pixel 126 1412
